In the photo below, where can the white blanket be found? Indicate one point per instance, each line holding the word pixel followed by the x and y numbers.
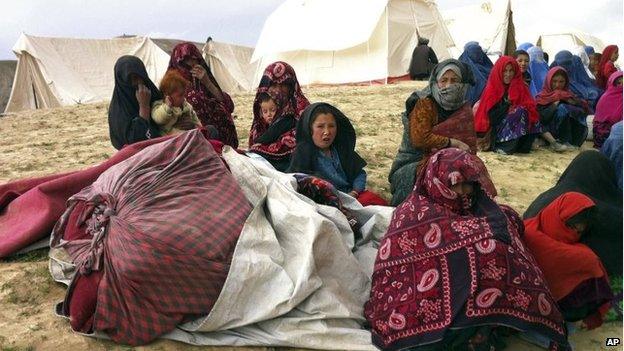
pixel 295 279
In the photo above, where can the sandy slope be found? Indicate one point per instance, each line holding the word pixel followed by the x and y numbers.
pixel 36 143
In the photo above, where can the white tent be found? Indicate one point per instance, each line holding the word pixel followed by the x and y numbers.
pixel 7 74
pixel 349 41
pixel 55 72
pixel 555 42
pixel 488 22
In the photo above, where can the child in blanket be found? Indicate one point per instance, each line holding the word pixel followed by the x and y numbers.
pixel 272 132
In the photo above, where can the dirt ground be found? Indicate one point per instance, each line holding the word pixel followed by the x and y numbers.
pixel 36 143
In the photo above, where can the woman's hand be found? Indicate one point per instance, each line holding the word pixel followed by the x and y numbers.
pixel 354 193
pixel 144 97
pixel 459 144
pixel 199 72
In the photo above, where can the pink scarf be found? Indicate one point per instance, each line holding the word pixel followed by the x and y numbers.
pixel 609 107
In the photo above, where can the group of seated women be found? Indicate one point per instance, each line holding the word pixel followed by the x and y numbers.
pixel 564 94
pixel 455 270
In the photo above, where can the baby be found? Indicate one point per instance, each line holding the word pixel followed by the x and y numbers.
pixel 174 114
pixel 268 107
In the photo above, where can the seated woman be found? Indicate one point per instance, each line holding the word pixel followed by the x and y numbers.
pixel 538 69
pixel 451 272
pixel 273 135
pixel 174 114
pixel 593 175
pixel 576 277
pixel 612 148
pixel 524 62
pixel 129 112
pixel 608 110
pixel 606 66
pixel 580 83
pixel 212 106
pixel 480 67
pixel 435 118
pixel 506 117
pixel 326 148
pixel 279 94
pixel 561 112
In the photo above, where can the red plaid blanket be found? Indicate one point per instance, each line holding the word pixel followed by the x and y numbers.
pixel 161 229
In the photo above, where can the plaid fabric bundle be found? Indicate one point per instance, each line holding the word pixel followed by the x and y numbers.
pixel 162 227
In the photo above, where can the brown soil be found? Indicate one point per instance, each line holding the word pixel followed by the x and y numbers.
pixel 42 142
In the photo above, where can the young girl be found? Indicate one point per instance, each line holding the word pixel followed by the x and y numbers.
pixel 561 111
pixel 174 114
pixel 522 57
pixel 326 148
pixel 524 60
pixel 272 135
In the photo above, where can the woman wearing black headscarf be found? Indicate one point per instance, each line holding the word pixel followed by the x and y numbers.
pixel 592 174
pixel 129 119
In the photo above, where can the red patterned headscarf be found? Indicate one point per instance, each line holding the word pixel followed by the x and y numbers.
pixel 282 73
pixel 277 73
pixel 518 92
pixel 448 261
pixel 210 110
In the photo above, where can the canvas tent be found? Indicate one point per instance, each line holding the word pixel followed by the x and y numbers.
pixel 7 73
pixel 374 43
pixel 488 22
pixel 555 42
pixel 55 72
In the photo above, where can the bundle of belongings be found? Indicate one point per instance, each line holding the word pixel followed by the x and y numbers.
pixel 178 240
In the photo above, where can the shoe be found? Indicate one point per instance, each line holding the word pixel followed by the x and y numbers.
pixel 570 146
pixel 500 152
pixel 556 147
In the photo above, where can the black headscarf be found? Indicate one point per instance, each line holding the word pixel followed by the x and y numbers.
pixel 591 174
pixel 125 124
pixel 305 154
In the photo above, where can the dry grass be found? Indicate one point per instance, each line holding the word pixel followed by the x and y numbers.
pixel 36 143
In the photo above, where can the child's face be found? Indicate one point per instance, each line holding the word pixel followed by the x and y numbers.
pixel 324 130
pixel 593 62
pixel 177 97
pixel 269 109
pixel 557 82
pixel 523 62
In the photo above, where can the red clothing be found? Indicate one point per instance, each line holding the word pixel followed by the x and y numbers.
pixel 565 262
pixel 605 67
pixel 293 104
pixel 449 262
pixel 518 93
pixel 209 109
